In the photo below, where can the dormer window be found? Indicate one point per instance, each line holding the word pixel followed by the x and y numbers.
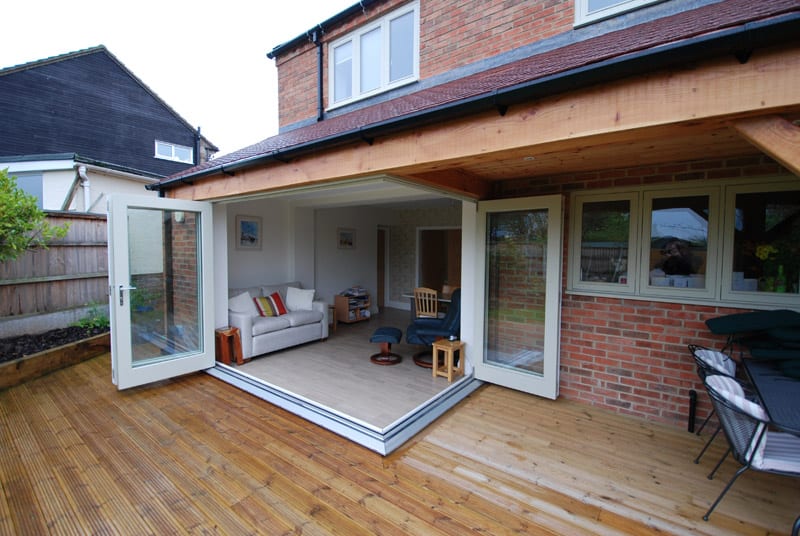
pixel 376 57
pixel 587 11
pixel 176 153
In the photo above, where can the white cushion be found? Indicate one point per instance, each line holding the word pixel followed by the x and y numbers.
pixel 717 360
pixel 243 303
pixel 269 324
pixel 301 318
pixel 298 299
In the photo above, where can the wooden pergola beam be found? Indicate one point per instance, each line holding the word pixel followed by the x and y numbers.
pixel 668 102
pixel 774 135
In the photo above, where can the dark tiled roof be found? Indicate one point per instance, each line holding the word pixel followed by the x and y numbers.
pixel 708 20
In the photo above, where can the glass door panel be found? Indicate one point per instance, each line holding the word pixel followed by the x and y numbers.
pixel 161 324
pixel 522 279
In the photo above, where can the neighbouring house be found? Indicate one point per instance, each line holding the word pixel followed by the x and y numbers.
pixel 619 173
pixel 77 128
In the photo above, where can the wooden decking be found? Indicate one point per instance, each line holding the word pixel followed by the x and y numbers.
pixel 195 455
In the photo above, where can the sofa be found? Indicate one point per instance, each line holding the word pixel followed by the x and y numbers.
pixel 273 317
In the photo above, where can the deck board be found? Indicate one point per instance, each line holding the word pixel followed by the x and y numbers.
pixel 197 455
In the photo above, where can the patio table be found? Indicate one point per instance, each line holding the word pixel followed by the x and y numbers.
pixel 779 393
pixel 774 329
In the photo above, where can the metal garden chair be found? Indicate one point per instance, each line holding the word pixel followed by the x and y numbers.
pixel 711 362
pixel 745 424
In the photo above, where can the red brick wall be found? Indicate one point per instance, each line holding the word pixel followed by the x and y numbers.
pixel 631 355
pixel 452 34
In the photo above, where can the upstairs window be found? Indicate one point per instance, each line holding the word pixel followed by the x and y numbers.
pixel 587 11
pixel 377 57
pixel 176 153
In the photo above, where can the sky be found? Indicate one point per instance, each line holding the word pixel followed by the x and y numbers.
pixel 205 59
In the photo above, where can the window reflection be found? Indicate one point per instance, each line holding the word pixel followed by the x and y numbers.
pixel 679 241
pixel 605 231
pixel 767 242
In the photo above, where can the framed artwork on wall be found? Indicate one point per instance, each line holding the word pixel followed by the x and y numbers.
pixel 346 238
pixel 248 232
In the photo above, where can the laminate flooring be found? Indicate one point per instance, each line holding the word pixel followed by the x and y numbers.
pixel 339 375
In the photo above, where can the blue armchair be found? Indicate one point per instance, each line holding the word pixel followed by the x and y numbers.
pixel 425 331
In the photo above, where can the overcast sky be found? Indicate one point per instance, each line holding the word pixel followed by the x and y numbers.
pixel 207 60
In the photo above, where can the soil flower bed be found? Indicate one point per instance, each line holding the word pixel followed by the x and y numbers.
pixel 16 347
pixel 27 357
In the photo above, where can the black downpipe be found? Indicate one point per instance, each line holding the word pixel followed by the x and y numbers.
pixel 197 146
pixel 320 108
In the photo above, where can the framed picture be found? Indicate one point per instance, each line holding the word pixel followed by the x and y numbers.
pixel 346 238
pixel 248 232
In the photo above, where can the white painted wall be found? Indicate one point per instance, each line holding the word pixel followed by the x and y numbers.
pixel 271 263
pixel 338 269
pixel 101 185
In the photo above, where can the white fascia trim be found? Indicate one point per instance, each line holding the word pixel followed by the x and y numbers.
pixel 38 165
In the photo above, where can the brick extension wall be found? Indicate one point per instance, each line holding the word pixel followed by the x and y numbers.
pixel 628 355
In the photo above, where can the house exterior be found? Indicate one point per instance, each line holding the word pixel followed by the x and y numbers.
pixel 640 129
pixel 79 126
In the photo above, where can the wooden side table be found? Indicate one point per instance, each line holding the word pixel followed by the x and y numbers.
pixel 449 348
pixel 228 343
pixel 332 316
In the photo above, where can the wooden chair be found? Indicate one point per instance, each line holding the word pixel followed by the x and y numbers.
pixel 426 302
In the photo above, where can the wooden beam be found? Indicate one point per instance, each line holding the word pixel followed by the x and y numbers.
pixel 774 135
pixel 617 112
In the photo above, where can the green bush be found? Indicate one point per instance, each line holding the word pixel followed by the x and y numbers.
pixel 23 225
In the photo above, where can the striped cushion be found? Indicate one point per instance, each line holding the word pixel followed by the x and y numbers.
pixel 277 304
pixel 716 360
pixel 264 306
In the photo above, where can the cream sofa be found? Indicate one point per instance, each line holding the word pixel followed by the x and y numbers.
pixel 306 319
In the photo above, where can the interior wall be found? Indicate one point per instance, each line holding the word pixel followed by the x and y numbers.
pixel 338 269
pixel 403 246
pixel 271 263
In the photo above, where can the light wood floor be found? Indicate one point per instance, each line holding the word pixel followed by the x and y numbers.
pixel 338 374
pixel 195 455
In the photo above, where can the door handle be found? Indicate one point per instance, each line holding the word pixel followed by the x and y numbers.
pixel 122 289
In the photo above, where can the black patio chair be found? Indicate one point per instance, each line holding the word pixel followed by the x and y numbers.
pixel 710 362
pixel 745 424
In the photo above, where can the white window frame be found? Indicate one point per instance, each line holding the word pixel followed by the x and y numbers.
pixel 719 255
pixel 172 147
pixel 355 38
pixel 584 16
pixel 709 292
pixel 728 294
pixel 576 246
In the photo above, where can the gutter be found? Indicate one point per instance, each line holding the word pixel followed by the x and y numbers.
pixel 739 41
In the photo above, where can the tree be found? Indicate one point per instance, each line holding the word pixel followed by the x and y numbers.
pixel 23 225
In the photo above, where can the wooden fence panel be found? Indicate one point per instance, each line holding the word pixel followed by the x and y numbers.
pixel 72 272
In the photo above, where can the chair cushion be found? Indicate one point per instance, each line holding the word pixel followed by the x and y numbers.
pixel 301 318
pixel 716 360
pixel 781 453
pixel 268 324
pixel 387 334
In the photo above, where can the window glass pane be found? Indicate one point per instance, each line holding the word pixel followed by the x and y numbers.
pixel 679 241
pixel 597 5
pixel 605 228
pixel 370 60
pixel 163 149
pixel 343 71
pixel 401 47
pixel 766 249
pixel 184 154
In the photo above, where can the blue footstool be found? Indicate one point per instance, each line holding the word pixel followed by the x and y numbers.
pixel 386 336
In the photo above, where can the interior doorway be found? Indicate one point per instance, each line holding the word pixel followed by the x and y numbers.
pixel 439 258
